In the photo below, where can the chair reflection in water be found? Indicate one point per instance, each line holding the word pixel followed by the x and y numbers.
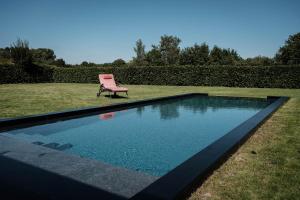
pixel 106 116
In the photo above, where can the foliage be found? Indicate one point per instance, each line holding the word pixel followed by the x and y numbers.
pixel 119 62
pixel 59 62
pixel 140 58
pixel 195 55
pixel 230 76
pixel 169 49
pixel 84 63
pixel 20 53
pixel 290 52
pixel 219 56
pixel 18 74
pixel 168 53
pixel 259 61
pixel 87 64
pixel 5 55
pixel 153 57
pixel 105 65
pixel 43 55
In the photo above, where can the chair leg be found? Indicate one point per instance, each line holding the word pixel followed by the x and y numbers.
pixel 100 90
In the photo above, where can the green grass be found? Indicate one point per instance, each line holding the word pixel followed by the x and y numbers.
pixel 272 172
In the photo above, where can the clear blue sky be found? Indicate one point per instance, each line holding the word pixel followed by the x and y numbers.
pixel 104 30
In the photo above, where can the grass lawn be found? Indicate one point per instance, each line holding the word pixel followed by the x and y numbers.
pixel 267 166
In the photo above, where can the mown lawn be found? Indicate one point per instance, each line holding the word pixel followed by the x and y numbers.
pixel 267 166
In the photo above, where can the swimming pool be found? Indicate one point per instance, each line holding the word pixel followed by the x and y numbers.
pixel 152 138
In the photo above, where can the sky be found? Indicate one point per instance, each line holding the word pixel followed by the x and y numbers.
pixel 104 30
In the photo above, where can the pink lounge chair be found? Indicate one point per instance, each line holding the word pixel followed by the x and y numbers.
pixel 107 83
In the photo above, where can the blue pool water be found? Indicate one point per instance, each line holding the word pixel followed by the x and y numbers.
pixel 153 139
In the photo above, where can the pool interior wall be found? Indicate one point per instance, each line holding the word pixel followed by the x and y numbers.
pixel 172 189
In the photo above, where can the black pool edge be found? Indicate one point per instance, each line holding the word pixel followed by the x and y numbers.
pixel 179 182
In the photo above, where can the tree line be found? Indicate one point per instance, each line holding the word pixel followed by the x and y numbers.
pixel 20 53
pixel 166 53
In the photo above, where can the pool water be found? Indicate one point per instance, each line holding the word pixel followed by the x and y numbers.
pixel 153 139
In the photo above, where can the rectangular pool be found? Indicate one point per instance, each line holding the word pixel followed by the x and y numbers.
pixel 153 139
pixel 150 149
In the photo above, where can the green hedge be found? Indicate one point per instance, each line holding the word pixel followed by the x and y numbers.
pixel 33 74
pixel 231 76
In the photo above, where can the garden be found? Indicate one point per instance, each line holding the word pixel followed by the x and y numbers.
pixel 266 167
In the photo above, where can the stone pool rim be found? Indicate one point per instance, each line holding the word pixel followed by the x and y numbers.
pixel 177 182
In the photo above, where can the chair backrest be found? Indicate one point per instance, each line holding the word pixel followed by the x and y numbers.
pixel 107 80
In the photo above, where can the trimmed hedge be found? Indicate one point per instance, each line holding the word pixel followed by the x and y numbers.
pixel 230 76
pixel 17 74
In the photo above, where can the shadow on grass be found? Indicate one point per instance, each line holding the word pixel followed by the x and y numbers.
pixel 116 96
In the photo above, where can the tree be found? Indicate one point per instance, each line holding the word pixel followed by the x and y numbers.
pixel 289 53
pixel 216 55
pixel 230 57
pixel 43 55
pixel 119 62
pixel 84 63
pixel 5 55
pixel 59 62
pixel 87 64
pixel 20 53
pixel 195 55
pixel 259 61
pixel 169 49
pixel 140 53
pixel 153 57
pixel 219 56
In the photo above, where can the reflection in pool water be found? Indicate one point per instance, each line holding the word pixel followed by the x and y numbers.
pixel 106 116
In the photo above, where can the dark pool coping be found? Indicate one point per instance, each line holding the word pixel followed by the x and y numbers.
pixel 173 185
